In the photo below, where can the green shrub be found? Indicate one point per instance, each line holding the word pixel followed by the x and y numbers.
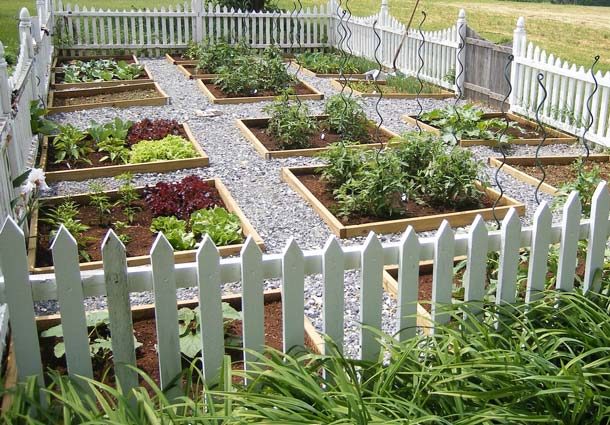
pixel 342 163
pixel 290 123
pixel 212 55
pixel 347 117
pixel 170 147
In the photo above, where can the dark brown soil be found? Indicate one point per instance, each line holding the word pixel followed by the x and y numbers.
pixel 559 175
pixel 139 231
pixel 324 192
pixel 315 141
pixel 94 157
pixel 136 94
pixel 146 356
pixel 300 88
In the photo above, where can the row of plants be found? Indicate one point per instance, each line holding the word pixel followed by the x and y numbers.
pixel 79 71
pixel 121 142
pixel 527 363
pixel 184 211
pixel 292 126
pixel 419 170
pixel 334 63
pixel 395 84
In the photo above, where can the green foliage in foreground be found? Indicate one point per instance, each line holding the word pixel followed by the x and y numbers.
pixel 168 148
pixel 544 363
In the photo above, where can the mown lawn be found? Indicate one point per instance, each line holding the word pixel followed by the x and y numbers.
pixel 576 33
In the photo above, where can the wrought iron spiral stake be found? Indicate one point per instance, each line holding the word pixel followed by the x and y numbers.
pixel 589 124
pixel 501 140
pixel 346 34
pixel 421 46
pixel 541 127
pixel 298 31
pixel 461 46
pixel 376 135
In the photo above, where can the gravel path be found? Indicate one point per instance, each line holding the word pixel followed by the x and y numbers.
pixel 274 209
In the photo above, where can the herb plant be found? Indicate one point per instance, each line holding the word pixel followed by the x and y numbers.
pixel 395 84
pixel 70 145
pixel 290 123
pixel 65 213
pixel 347 117
pixel 101 202
pixel 128 196
pixel 585 183
pixel 117 151
pixel 170 147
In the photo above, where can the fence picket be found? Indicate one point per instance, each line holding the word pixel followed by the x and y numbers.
pixel 252 300
pixel 478 246
pixel 371 293
pixel 166 315
pixel 293 273
pixel 570 227
pixel 332 271
pixel 408 284
pixel 18 293
pixel 70 297
pixel 537 268
pixel 442 272
pixel 509 258
pixel 119 312
pixel 598 237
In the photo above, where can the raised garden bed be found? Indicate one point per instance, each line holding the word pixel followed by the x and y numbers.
pixel 306 181
pixel 253 130
pixel 328 65
pixel 532 137
pixel 191 73
pixel 59 61
pixel 310 73
pixel 559 169
pixel 39 255
pixel 57 81
pixel 366 88
pixel 122 96
pixel 179 59
pixel 304 92
pixel 82 171
pixel 143 317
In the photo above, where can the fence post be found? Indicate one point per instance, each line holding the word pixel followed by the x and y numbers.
pixel 197 8
pixel 42 13
pixel 382 24
pixel 519 40
pixel 25 27
pixel 460 65
pixel 5 93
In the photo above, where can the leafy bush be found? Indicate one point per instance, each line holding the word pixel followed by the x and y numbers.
pixel 148 129
pixel 117 129
pixel 116 149
pixel 223 227
pixel 212 55
pixel 290 123
pixel 100 70
pixel 182 198
pixel 343 163
pixel 347 117
pixel 254 74
pixel 585 183
pixel 170 147
pixel 466 122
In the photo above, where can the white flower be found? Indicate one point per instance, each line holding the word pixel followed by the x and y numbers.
pixel 28 187
pixel 37 178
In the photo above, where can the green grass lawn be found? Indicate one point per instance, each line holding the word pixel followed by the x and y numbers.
pixel 576 33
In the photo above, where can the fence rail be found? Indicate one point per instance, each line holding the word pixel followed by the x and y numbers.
pixel 69 285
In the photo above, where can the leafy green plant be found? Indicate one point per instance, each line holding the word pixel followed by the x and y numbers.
pixel 116 149
pixel 211 55
pixel 38 123
pixel 585 184
pixel 65 213
pixel 347 117
pixel 395 84
pixel 100 343
pixel 170 147
pixel 466 122
pixel 333 63
pixel 175 232
pixel 101 70
pixel 290 123
pixel 223 227
pixel 190 329
pixel 343 163
pixel 70 145
pixel 101 202
pixel 128 196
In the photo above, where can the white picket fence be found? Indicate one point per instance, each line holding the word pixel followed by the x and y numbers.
pixel 568 90
pixel 29 82
pixel 69 286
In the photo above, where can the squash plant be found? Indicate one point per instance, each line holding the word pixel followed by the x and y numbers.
pixel 100 70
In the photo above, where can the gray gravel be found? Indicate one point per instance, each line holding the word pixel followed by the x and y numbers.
pixel 274 209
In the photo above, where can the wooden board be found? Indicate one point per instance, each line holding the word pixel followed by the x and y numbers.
pixel 175 59
pixel 161 99
pixel 146 78
pixel 202 160
pixel 189 71
pixel 179 256
pixel 444 94
pixel 316 95
pixel 10 378
pixel 553 136
pixel 57 63
pixel 245 124
pixel 456 219
pixel 544 160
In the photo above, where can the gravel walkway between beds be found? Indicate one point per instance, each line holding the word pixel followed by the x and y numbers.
pixel 274 209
